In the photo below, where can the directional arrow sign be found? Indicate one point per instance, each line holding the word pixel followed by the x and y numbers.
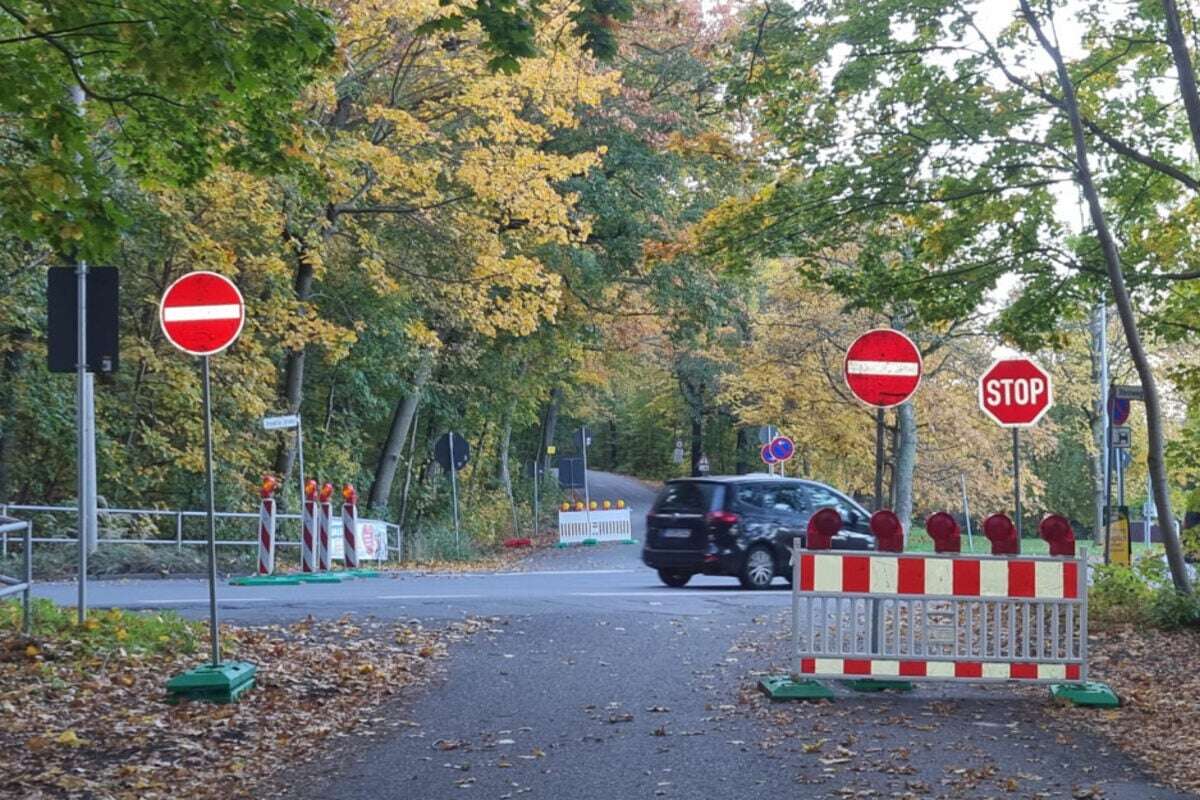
pixel 883 368
pixel 202 313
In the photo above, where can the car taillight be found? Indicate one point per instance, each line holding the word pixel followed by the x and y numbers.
pixel 721 517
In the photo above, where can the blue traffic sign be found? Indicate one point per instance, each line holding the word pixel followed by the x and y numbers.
pixel 782 448
pixel 767 456
pixel 1118 409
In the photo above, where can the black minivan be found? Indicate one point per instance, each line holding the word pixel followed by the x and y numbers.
pixel 741 525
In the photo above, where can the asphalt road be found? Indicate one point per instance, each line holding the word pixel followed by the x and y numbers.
pixel 595 682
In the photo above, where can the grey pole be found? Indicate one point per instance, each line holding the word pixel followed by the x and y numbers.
pixel 587 497
pixel 93 522
pixel 1106 420
pixel 1017 477
pixel 962 480
pixel 214 633
pixel 81 404
pixel 454 492
pixel 300 458
pixel 1120 479
pixel 536 469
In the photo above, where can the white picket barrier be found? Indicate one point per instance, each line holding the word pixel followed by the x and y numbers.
pixel 612 525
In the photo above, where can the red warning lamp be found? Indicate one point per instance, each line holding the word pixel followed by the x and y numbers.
pixel 310 489
pixel 889 533
pixel 822 527
pixel 349 495
pixel 1002 533
pixel 1056 530
pixel 943 529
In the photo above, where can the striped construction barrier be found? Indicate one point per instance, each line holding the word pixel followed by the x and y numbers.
pixel 350 526
pixel 266 526
pixel 308 560
pixel 323 528
pixel 592 527
pixel 886 619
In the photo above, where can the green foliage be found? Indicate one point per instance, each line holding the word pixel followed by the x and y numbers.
pixel 105 632
pixel 1141 594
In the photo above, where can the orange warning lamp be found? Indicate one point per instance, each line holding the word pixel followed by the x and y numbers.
pixel 579 505
pixel 326 492
pixel 607 505
pixel 349 495
pixel 620 504
pixel 310 489
pixel 269 485
pixel 565 506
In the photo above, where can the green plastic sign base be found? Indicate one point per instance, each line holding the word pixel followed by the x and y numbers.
pixel 360 573
pixel 589 543
pixel 266 580
pixel 224 683
pixel 629 541
pixel 781 688
pixel 1095 695
pixel 876 685
pixel 561 545
pixel 318 577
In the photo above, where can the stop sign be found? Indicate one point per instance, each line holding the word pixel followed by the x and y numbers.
pixel 1015 392
pixel 202 313
pixel 882 368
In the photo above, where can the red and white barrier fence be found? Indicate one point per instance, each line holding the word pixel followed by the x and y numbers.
pixel 893 617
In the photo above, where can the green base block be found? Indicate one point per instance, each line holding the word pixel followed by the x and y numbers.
pixel 629 541
pixel 360 573
pixel 562 545
pixel 224 683
pixel 782 687
pixel 319 577
pixel 589 543
pixel 1096 695
pixel 876 685
pixel 266 580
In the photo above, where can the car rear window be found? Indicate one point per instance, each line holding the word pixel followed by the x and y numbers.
pixel 694 497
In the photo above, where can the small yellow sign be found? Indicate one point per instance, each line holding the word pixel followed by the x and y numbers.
pixel 551 450
pixel 1118 536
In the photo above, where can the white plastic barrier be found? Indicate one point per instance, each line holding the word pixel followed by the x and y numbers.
pixel 613 525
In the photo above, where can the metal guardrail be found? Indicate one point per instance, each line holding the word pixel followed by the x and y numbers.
pixel 246 519
pixel 9 585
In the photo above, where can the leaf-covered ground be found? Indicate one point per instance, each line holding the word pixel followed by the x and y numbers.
pixel 86 716
pixel 1157 677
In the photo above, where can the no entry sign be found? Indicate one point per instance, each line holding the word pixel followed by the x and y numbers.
pixel 883 368
pixel 202 313
pixel 1015 392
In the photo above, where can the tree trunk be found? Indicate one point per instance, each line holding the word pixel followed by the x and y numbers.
pixel 505 472
pixel 1156 462
pixel 1099 476
pixel 742 466
pixel 10 367
pixel 878 499
pixel 293 371
pixel 612 444
pixel 389 456
pixel 906 462
pixel 549 423
pixel 1183 67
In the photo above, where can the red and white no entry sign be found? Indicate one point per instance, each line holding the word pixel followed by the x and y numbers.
pixel 883 368
pixel 202 313
pixel 1015 392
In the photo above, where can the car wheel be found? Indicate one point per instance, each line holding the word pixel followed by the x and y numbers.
pixel 759 568
pixel 672 578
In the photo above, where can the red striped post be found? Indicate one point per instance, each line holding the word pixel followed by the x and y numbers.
pixel 266 526
pixel 323 560
pixel 307 561
pixel 350 525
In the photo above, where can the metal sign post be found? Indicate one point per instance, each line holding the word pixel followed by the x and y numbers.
pixel 454 495
pixel 1017 479
pixel 211 511
pixel 202 313
pixel 962 480
pixel 587 497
